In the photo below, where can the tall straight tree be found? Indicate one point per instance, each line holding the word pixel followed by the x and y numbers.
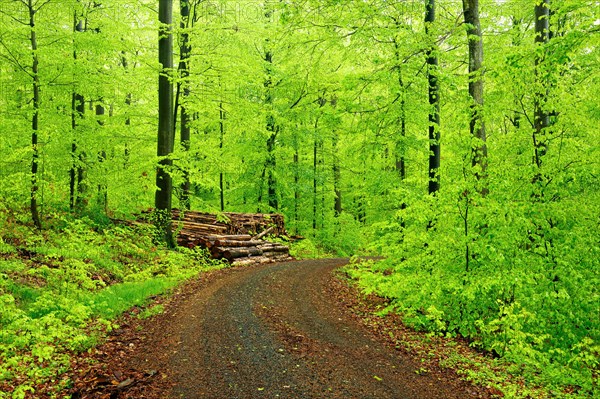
pixel 272 131
pixel 434 102
pixel 476 125
pixel 541 118
pixel 183 89
pixel 77 172
pixel 35 214
pixel 272 128
pixel 164 182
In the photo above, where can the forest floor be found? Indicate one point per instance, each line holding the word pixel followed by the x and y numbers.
pixel 289 330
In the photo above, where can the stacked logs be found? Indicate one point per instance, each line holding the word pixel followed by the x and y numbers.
pixel 236 237
pixel 232 223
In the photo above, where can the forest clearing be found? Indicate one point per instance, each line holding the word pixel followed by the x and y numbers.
pixel 418 174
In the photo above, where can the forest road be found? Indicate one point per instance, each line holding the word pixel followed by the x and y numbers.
pixel 278 331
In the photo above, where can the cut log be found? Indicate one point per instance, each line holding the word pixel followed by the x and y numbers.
pixel 264 233
pixel 254 260
pixel 274 248
pixel 238 237
pixel 233 253
pixel 238 243
pixel 200 226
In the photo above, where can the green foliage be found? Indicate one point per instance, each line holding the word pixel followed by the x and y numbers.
pixel 307 249
pixel 527 290
pixel 308 107
pixel 152 311
pixel 344 236
pixel 70 288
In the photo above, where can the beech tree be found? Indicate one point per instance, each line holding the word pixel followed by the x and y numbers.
pixel 476 124
pixel 77 172
pixel 541 117
pixel 434 102
pixel 164 183
pixel 183 93
pixel 35 213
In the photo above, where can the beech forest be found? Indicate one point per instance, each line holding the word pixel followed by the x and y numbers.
pixel 449 148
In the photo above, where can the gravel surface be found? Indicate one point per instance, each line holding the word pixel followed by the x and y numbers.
pixel 276 331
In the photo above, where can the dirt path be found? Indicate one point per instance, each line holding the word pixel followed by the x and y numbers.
pixel 274 331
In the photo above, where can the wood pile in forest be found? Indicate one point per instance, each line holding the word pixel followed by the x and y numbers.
pixel 235 237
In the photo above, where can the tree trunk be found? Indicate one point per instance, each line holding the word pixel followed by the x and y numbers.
pixel 35 214
pixel 516 42
pixel 164 183
pixel 434 103
pixel 128 100
pixel 541 118
pixel 221 142
pixel 185 132
pixel 271 141
pixel 315 183
pixel 296 183
pixel 337 206
pixel 476 125
pixel 102 186
pixel 401 144
pixel 77 172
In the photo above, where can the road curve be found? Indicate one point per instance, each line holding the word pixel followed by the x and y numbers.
pixel 277 332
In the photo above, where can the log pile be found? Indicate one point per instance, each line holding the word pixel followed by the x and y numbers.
pixel 235 237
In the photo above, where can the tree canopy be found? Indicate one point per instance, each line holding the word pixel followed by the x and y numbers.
pixel 457 139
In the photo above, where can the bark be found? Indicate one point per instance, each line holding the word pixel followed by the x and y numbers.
pixel 35 215
pixel 271 141
pixel 237 243
pixel 77 173
pixel 434 104
pixel 541 118
pixel 516 42
pixel 234 253
pixel 164 183
pixel 337 206
pixel 476 125
pixel 102 186
pixel 296 183
pixel 221 142
pixel 185 131
pixel 400 146
pixel 128 100
pixel 315 183
pixel 263 233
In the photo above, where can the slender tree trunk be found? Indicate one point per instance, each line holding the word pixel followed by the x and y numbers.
pixel 221 142
pixel 127 151
pixel 296 182
pixel 102 186
pixel 271 181
pixel 35 214
pixel 400 146
pixel 164 183
pixel 128 99
pixel 315 182
pixel 476 125
pixel 337 206
pixel 185 131
pixel 434 104
pixel 271 141
pixel 516 41
pixel 77 172
pixel 541 118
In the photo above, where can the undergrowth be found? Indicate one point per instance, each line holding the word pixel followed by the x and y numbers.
pixel 522 286
pixel 61 290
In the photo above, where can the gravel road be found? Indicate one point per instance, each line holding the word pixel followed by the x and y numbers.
pixel 278 331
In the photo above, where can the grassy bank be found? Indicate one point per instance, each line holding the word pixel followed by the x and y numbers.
pixel 61 290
